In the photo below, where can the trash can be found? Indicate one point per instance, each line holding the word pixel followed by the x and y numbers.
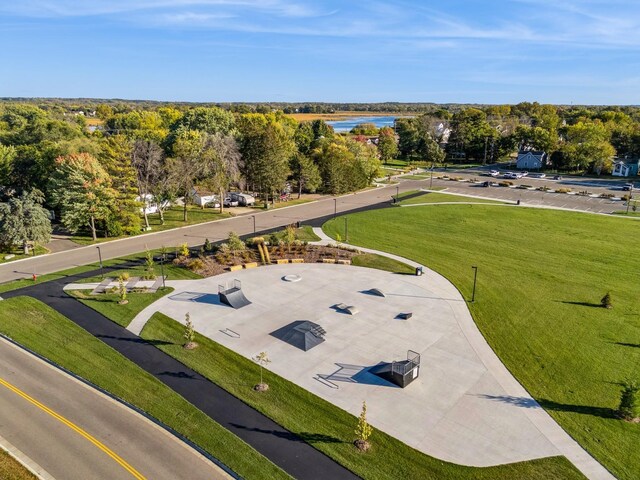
pixel 518 202
pixel 419 271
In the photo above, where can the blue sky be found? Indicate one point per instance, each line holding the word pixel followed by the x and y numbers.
pixel 552 51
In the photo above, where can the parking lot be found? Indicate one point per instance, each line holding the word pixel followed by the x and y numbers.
pixel 568 201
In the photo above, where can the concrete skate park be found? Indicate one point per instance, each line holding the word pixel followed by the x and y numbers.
pixel 455 407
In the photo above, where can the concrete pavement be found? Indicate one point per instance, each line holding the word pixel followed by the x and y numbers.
pixel 72 431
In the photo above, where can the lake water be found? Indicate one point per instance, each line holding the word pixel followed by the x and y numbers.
pixel 348 123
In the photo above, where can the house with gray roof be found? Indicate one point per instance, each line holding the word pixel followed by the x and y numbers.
pixel 532 160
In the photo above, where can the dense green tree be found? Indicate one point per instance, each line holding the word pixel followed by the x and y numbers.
pixel 367 128
pixel 81 188
pixel 115 158
pixel 206 119
pixel 24 222
pixel 267 145
pixel 471 134
pixel 587 146
pixel 305 173
pixel 7 158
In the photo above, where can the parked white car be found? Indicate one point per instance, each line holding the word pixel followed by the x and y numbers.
pixel 494 173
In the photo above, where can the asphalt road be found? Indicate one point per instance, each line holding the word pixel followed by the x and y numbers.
pixel 196 234
pixel 317 211
pixel 74 432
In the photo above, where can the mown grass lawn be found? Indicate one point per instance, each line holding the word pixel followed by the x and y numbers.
pixel 373 260
pixel 435 197
pixel 173 219
pixel 325 426
pixel 45 331
pixel 18 253
pixel 107 304
pixel 541 275
pixel 11 469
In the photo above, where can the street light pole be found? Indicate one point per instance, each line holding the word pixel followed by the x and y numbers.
pixel 162 266
pixel 346 229
pixel 335 207
pixel 431 180
pixel 475 276
pixel 100 258
pixel 254 223
pixel 397 193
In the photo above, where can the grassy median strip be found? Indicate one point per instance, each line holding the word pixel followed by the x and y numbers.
pixel 43 330
pixel 322 424
pixel 373 260
pixel 11 469
pixel 541 275
pixel 107 303
pixel 435 197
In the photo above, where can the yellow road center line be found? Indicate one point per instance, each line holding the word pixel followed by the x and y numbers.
pixel 75 428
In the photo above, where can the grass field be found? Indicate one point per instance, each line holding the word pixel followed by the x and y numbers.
pixel 107 304
pixel 372 260
pixel 11 469
pixel 173 219
pixel 434 197
pixel 53 336
pixel 541 275
pixel 325 426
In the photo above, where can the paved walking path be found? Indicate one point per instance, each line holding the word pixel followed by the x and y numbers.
pixel 285 449
pixel 516 393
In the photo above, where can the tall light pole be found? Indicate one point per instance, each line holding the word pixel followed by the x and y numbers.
pixel 162 265
pixel 100 258
pixel 346 229
pixel 475 276
pixel 254 223
pixel 397 193
pixel 431 180
pixel 335 207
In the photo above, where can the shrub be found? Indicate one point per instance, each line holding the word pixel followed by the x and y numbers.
pixel 124 276
pixel 544 188
pixel 606 195
pixel 274 239
pixel 195 264
pixel 207 245
pixel 606 301
pixel 584 193
pixel 183 250
pixel 629 401
pixel 563 190
pixel 524 186
pixel 150 271
pixel 505 184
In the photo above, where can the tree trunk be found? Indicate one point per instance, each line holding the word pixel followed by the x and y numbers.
pixel 221 200
pixel 25 246
pixel 299 188
pixel 184 210
pixel 93 228
pixel 161 213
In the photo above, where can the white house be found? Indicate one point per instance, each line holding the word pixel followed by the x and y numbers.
pixel 531 160
pixel 201 196
pixel 150 205
pixel 626 167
